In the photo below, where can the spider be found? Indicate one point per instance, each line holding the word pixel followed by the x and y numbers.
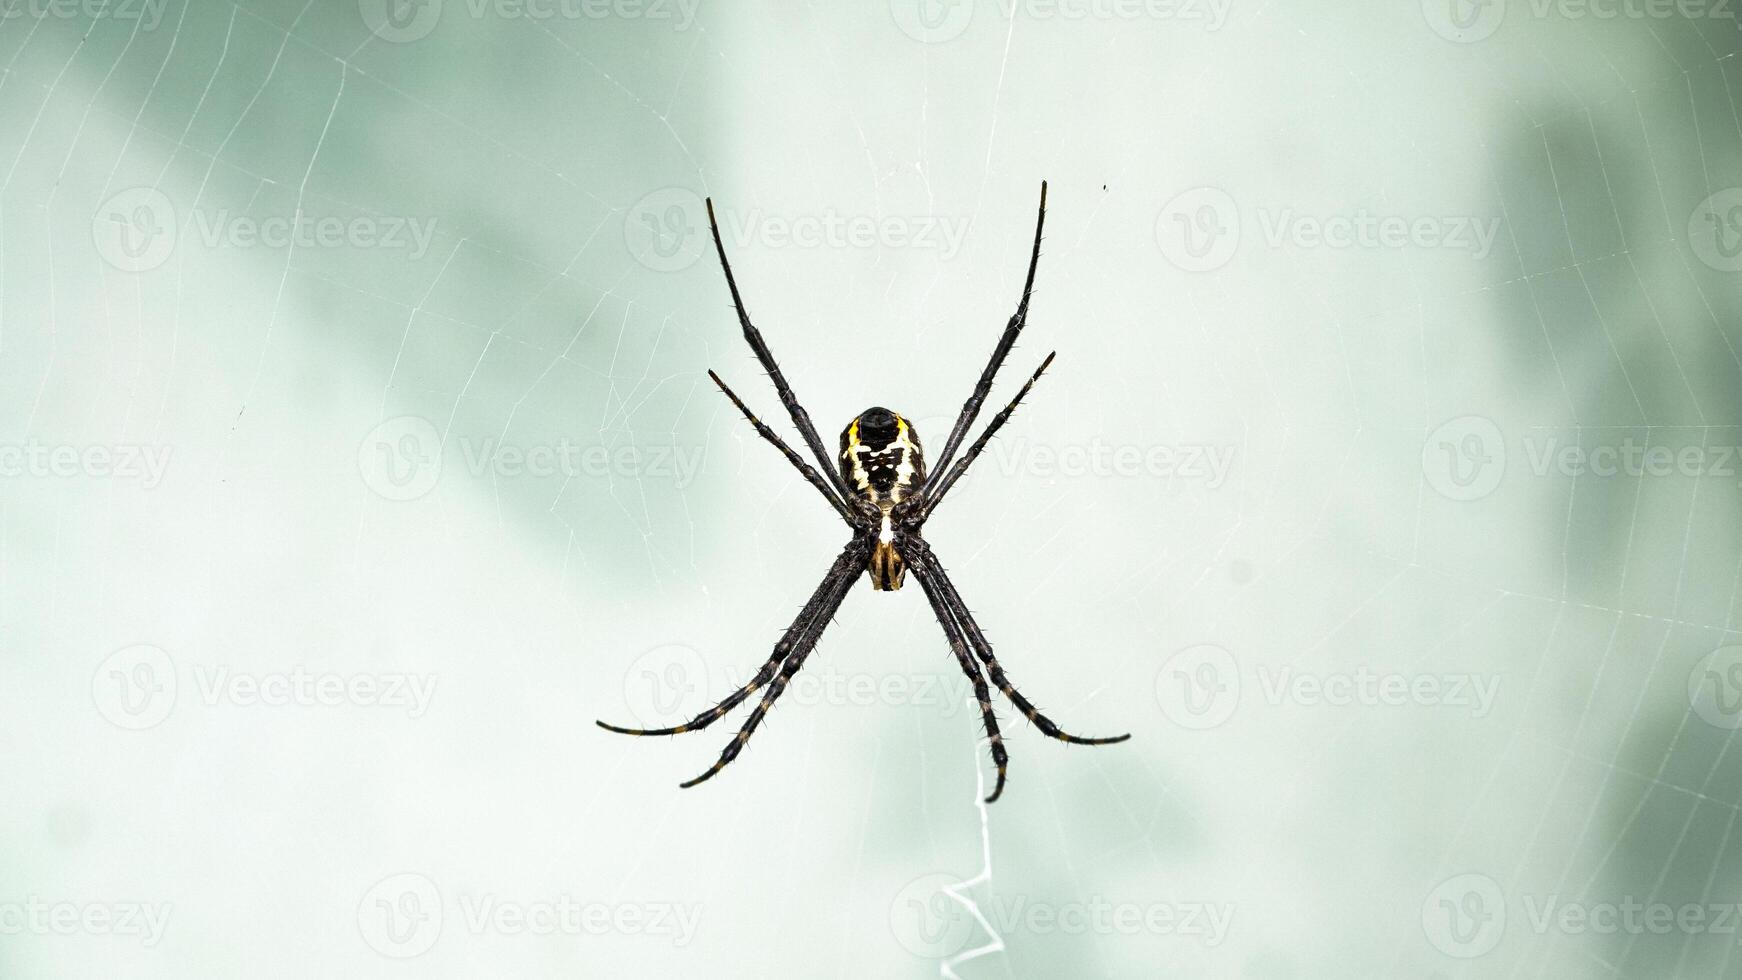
pixel 880 486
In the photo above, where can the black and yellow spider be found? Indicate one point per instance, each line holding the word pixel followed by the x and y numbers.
pixel 880 487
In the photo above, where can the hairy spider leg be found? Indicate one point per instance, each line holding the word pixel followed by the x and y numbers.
pixel 792 457
pixel 778 684
pixel 759 347
pixel 919 553
pixel 846 567
pixel 959 646
pixel 932 500
pixel 1007 340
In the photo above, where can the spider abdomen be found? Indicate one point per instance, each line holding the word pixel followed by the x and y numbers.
pixel 882 461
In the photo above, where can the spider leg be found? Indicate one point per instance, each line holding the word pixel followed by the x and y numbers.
pixel 846 568
pixel 805 468
pixel 932 499
pixel 753 336
pixel 959 646
pixel 1007 340
pixel 983 650
pixel 777 686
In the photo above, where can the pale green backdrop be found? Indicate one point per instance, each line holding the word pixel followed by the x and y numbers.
pixel 357 452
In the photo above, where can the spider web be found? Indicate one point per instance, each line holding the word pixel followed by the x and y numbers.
pixel 565 293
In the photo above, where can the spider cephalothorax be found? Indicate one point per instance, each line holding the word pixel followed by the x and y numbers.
pixel 880 487
pixel 883 463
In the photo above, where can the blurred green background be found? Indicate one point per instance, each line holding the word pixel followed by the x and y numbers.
pixel 357 451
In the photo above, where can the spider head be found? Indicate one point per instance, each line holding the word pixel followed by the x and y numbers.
pixel 881 457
